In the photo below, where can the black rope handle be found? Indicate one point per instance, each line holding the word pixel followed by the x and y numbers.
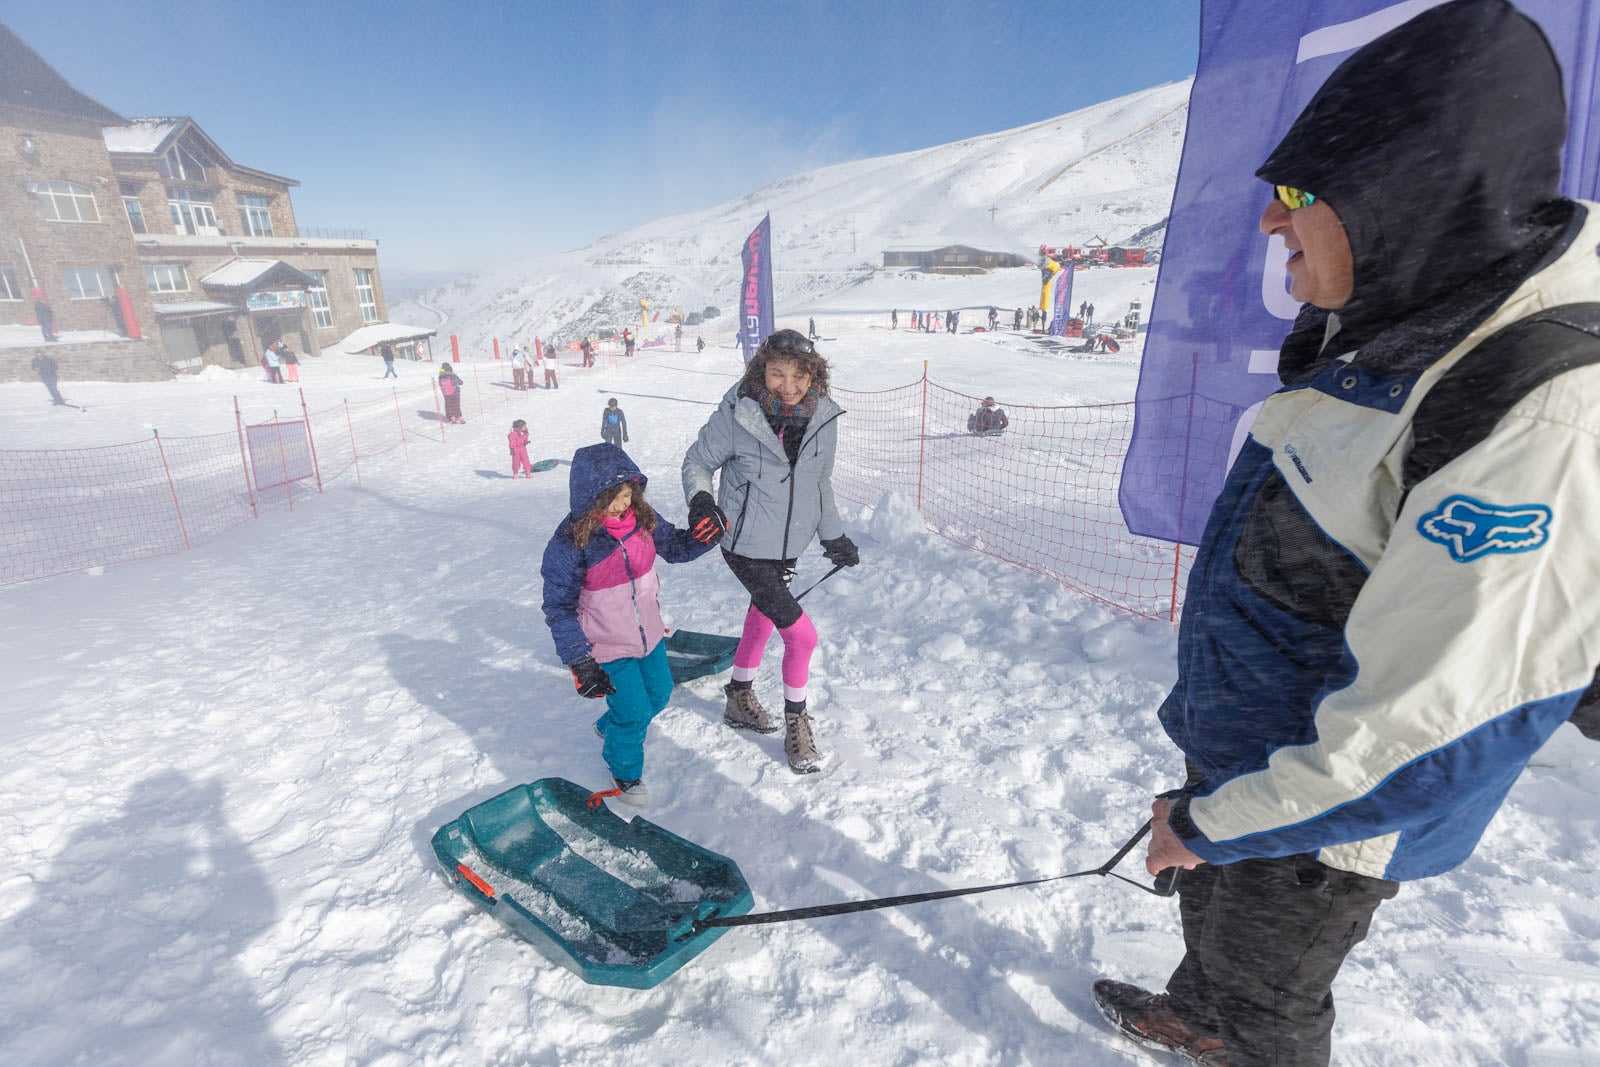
pixel 837 568
pixel 1165 885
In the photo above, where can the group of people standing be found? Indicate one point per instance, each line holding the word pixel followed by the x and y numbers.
pixel 772 439
pixel 525 366
pixel 280 362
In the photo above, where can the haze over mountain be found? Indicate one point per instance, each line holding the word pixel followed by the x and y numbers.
pixel 1103 171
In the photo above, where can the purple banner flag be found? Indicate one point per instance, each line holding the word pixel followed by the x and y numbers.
pixel 1061 304
pixel 1222 305
pixel 755 295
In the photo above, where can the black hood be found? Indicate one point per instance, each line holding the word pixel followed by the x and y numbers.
pixel 1437 144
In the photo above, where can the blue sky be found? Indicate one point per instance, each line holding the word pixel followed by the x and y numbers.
pixel 464 135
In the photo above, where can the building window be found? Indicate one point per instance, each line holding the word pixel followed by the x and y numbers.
pixel 135 214
pixel 89 283
pixel 182 165
pixel 317 296
pixel 192 213
pixel 10 288
pixel 365 296
pixel 66 202
pixel 253 215
pixel 166 278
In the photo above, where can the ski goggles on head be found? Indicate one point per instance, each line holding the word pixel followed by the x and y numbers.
pixel 1293 198
pixel 789 342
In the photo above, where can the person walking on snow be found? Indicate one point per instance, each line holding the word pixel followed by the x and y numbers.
pixel 45 366
pixel 699 343
pixel 811 328
pixel 613 424
pixel 773 437
pixel 387 352
pixel 894 318
pixel 1016 319
pixel 450 388
pixel 600 602
pixel 519 370
pixel 550 365
pixel 1393 605
pixel 518 440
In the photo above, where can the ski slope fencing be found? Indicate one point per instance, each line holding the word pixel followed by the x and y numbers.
pixel 1042 496
pixel 64 510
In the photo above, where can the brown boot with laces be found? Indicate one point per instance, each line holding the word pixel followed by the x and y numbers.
pixel 745 712
pixel 1148 1018
pixel 798 743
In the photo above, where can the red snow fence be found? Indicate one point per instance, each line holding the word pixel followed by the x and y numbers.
pixel 1042 494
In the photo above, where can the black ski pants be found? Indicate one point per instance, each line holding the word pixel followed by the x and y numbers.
pixel 767 581
pixel 1263 940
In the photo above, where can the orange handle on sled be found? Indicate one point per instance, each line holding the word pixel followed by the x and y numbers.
pixel 483 887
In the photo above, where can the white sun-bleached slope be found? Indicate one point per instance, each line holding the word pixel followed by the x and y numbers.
pixel 1104 171
pixel 222 771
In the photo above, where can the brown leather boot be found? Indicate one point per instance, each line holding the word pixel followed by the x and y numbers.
pixel 799 745
pixel 745 712
pixel 1148 1018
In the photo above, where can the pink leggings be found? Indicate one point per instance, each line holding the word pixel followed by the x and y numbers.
pixel 799 641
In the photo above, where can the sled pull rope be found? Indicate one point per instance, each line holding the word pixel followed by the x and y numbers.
pixel 1165 885
pixel 837 568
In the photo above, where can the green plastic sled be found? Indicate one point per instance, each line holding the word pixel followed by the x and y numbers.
pixel 692 655
pixel 612 901
pixel 544 465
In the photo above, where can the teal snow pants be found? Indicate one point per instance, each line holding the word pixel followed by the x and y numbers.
pixel 644 685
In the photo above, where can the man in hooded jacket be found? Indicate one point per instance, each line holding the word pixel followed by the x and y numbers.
pixel 1373 643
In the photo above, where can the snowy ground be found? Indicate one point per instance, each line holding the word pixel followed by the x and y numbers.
pixel 223 770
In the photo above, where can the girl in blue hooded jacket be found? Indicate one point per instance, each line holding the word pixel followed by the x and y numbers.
pixel 600 588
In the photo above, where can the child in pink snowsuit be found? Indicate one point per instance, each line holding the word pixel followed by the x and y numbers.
pixel 518 440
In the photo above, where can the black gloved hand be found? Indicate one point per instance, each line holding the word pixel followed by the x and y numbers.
pixel 707 523
pixel 591 680
pixel 841 552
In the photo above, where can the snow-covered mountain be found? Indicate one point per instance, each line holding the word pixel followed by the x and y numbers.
pixel 1103 171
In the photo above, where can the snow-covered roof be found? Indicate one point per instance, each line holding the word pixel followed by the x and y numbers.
pixel 181 308
pixel 144 136
pixel 380 333
pixel 255 274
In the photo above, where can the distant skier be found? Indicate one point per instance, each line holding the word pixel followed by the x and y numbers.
pixel 450 389
pixel 613 424
pixel 600 603
pixel 517 439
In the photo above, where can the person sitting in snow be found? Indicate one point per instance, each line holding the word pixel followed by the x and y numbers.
pixel 600 603
pixel 988 418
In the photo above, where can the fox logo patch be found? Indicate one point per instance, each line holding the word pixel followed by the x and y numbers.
pixel 1471 528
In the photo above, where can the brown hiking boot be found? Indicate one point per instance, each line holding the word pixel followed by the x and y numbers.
pixel 1148 1018
pixel 799 745
pixel 745 711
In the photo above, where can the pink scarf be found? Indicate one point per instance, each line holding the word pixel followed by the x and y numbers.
pixel 621 526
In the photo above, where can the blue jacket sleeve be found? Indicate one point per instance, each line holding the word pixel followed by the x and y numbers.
pixel 562 571
pixel 675 545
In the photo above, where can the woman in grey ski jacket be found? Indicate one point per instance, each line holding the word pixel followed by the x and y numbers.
pixel 773 437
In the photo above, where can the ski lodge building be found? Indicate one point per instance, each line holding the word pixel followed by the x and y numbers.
pixel 951 259
pixel 156 252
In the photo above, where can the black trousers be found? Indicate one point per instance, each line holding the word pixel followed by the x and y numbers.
pixel 1263 942
pixel 767 581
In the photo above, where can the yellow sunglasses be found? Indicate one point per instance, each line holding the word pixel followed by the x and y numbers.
pixel 1293 198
